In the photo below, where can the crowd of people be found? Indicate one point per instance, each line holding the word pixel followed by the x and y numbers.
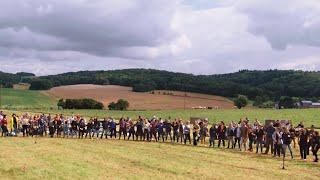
pixel 275 138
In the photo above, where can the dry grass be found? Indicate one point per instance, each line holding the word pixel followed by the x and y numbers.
pixel 21 158
pixel 107 94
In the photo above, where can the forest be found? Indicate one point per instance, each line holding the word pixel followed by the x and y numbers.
pixel 261 85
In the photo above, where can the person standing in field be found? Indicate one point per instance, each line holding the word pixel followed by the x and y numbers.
pixel 244 135
pixel 66 129
pixel 315 144
pixel 1 117
pixel 105 129
pixel 160 130
pixel 277 142
pixel 175 126
pixel 260 138
pixel 237 138
pixel 203 132
pixel 221 134
pixel 89 128
pixel 51 128
pixel 303 144
pixel 153 129
pixel 139 126
pixel 168 129
pixel 269 130
pixel 287 139
pixel 130 126
pixel 113 128
pixel 230 135
pixel 146 130
pixel 122 128
pixel 4 126
pixel 213 135
pixel 251 137
pixel 25 124
pixel 74 126
pixel 82 128
pixel 14 125
pixel 196 129
pixel 186 132
pixel 180 131
pixel 96 127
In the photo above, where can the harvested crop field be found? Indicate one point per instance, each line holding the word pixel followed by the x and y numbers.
pixel 157 100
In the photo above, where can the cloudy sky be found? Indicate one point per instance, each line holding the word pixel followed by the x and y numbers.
pixel 193 36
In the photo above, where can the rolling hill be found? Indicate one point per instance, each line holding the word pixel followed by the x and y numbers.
pixel 138 100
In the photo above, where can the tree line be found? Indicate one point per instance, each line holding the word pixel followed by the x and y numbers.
pixel 262 87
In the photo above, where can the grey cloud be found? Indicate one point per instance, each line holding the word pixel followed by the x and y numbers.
pixel 285 22
pixel 100 27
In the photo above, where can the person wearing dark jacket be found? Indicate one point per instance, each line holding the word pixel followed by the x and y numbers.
pixel 286 139
pixel 186 132
pixel 269 140
pixel 252 137
pixel 105 128
pixel 122 128
pixel 113 127
pixel 96 127
pixel 221 134
pixel 139 126
pixel 175 131
pixel 160 131
pixel 213 135
pixel 168 129
pixel 82 128
pixel 89 128
pixel 260 137
pixel 130 126
pixel 315 144
pixel 303 143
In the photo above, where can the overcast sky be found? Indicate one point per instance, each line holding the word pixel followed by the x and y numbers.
pixel 192 36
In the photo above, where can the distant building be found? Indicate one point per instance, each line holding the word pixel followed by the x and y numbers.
pixel 309 104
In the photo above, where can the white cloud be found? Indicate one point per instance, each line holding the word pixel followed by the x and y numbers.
pixel 202 37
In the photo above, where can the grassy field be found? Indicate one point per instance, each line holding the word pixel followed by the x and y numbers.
pixel 113 159
pixel 20 101
pixel 22 158
pixel 25 99
pixel 308 116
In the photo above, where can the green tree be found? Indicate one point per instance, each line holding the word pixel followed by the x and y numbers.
pixel 241 101
pixel 122 104
pixel 61 103
pixel 112 106
pixel 286 102
pixel 40 84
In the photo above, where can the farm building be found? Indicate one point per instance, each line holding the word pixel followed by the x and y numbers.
pixel 309 104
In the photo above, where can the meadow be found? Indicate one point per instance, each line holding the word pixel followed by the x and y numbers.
pixel 57 158
pixel 25 99
pixel 44 158
pixel 20 101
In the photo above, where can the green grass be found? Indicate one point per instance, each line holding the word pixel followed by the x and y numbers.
pixel 308 116
pixel 38 102
pixel 21 158
pixel 25 99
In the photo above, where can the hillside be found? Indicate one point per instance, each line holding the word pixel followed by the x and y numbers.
pixel 138 100
pixel 25 99
pixel 265 85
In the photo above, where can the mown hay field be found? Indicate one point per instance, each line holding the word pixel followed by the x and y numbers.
pixel 22 158
pixel 158 100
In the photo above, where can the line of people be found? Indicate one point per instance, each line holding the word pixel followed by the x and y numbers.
pixel 274 137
